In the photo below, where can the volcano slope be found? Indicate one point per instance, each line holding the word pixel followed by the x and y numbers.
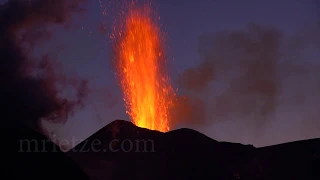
pixel 27 154
pixel 122 150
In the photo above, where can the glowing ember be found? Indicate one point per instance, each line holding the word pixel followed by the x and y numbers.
pixel 141 69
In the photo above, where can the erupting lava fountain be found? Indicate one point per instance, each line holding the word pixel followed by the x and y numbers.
pixel 141 68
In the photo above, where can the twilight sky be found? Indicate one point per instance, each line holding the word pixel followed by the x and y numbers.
pixel 201 31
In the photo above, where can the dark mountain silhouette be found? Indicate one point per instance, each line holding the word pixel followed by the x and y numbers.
pixel 122 150
pixel 28 154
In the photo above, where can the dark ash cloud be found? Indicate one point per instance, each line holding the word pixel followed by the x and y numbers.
pixel 27 97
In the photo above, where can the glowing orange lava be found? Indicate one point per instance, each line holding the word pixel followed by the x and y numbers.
pixel 147 92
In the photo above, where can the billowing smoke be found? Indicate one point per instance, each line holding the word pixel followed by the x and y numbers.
pixel 188 110
pixel 253 65
pixel 254 53
pixel 31 86
pixel 197 78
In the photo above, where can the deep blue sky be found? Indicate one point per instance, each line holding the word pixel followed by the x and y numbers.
pixel 86 51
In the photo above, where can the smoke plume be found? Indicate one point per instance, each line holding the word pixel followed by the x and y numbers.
pixel 252 64
pixel 197 78
pixel 30 85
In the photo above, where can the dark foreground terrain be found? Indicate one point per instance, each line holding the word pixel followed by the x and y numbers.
pixel 123 151
pixel 38 159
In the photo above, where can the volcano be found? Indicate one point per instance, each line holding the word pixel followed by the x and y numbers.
pixel 122 150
